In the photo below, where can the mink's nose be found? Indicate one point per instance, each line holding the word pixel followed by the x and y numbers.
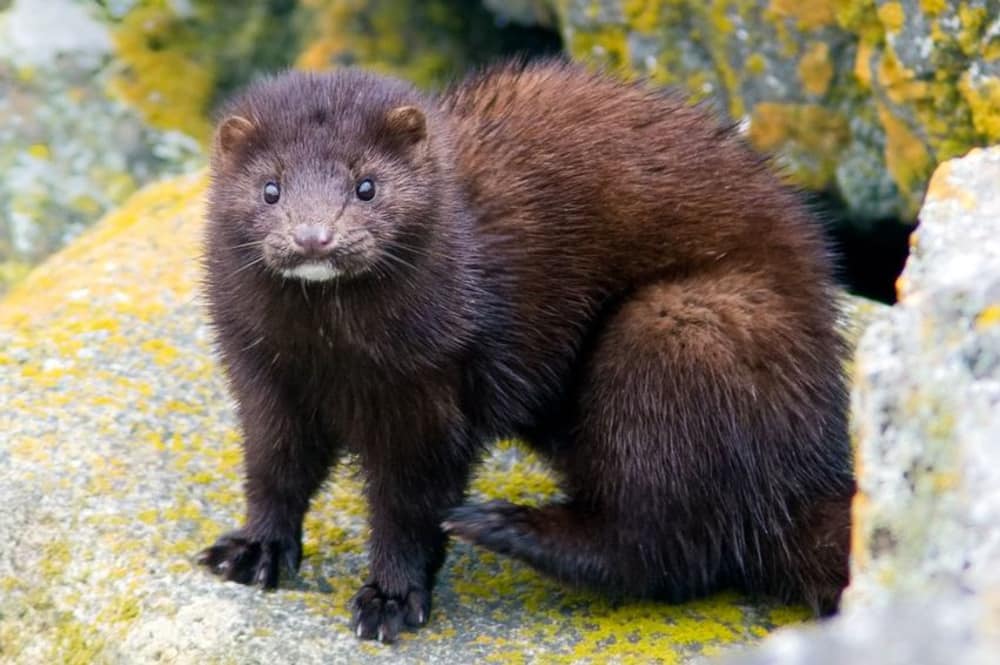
pixel 312 240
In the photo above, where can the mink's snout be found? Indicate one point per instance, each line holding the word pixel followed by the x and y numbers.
pixel 312 241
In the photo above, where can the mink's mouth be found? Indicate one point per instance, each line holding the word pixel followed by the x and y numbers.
pixel 312 271
pixel 317 263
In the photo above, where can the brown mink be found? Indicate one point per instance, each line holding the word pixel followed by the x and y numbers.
pixel 542 252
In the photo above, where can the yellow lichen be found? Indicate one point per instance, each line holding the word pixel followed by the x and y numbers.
pixel 863 65
pixel 860 18
pixel 989 317
pixel 973 24
pixel 906 157
pixel 756 64
pixel 643 15
pixel 608 45
pixel 801 129
pixel 40 151
pixel 808 14
pixel 983 98
pixel 900 84
pixel 159 76
pixel 933 7
pixel 892 16
pixel 815 68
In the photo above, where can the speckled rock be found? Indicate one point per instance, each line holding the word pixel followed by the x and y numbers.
pixel 858 97
pixel 119 459
pixel 927 400
pixel 926 421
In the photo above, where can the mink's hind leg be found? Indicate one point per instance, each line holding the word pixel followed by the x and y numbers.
pixel 709 440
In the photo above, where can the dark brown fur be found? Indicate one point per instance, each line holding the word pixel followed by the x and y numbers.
pixel 593 266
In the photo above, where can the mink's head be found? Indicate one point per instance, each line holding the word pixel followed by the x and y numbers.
pixel 324 176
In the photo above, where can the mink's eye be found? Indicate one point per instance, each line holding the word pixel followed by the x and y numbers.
pixel 272 192
pixel 366 190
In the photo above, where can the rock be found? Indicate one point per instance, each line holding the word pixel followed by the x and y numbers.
pixel 927 400
pixel 119 460
pixel 926 421
pixel 859 97
pixel 68 149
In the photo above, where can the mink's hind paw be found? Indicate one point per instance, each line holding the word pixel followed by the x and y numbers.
pixel 238 558
pixel 381 616
pixel 495 525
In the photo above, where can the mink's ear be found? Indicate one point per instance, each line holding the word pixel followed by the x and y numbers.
pixel 406 124
pixel 234 132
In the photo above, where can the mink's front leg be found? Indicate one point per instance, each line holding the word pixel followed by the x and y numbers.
pixel 287 456
pixel 409 490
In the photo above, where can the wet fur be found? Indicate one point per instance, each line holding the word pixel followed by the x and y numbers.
pixel 593 266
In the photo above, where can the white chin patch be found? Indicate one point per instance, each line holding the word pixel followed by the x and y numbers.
pixel 319 271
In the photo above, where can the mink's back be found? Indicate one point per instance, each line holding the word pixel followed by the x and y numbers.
pixel 563 165
pixel 584 188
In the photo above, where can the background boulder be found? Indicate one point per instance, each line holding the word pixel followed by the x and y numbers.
pixel 859 98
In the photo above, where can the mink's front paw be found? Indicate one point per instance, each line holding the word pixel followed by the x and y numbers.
pixel 238 558
pixel 381 616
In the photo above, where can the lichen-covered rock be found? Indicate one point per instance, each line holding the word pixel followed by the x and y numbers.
pixel 926 419
pixel 860 97
pixel 68 150
pixel 119 460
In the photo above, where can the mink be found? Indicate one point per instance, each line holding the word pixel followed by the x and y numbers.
pixel 544 252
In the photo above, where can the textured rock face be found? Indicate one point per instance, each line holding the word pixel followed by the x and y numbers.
pixel 926 412
pixel 119 459
pixel 861 97
pixel 927 401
